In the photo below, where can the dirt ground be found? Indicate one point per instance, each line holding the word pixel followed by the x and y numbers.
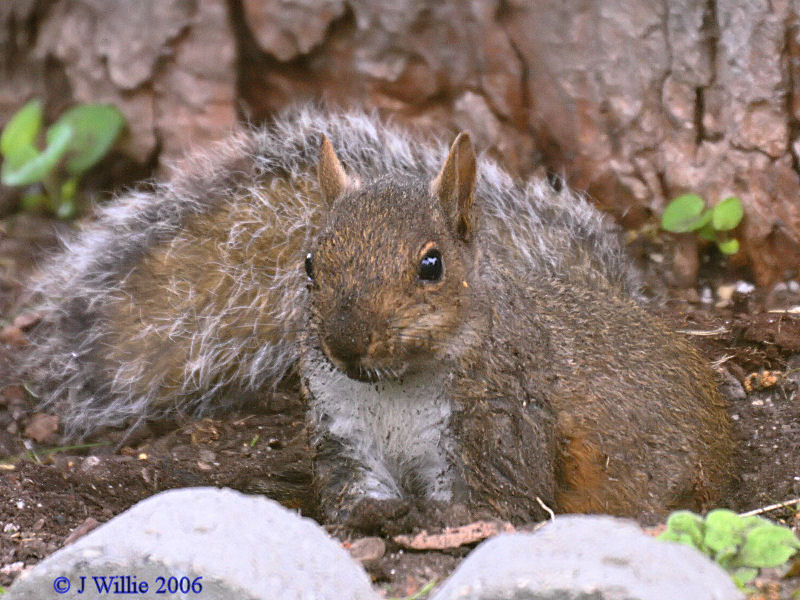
pixel 48 495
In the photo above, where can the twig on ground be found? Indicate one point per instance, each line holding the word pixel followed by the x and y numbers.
pixel 704 333
pixel 547 508
pixel 771 507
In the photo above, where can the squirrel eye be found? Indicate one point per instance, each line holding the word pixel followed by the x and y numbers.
pixel 309 266
pixel 431 266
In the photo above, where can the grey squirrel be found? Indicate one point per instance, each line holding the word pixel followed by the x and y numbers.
pixel 460 335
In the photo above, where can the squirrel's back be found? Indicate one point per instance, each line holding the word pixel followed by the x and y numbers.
pixel 188 295
pixel 625 411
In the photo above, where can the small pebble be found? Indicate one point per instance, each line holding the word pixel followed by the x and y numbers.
pixel 12 569
pixel 725 292
pixel 89 463
pixel 367 549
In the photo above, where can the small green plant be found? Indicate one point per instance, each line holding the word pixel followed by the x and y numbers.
pixel 689 213
pixel 73 144
pixel 741 545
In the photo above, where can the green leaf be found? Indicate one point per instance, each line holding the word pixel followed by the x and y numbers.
pixel 66 209
pixel 36 169
pixel 685 213
pixel 69 188
pixel 21 131
pixel 727 214
pixel 724 531
pixel 684 527
pixel 96 128
pixel 727 558
pixel 753 521
pixel 707 231
pixel 700 222
pixel 743 576
pixel 768 545
pixel 22 155
pixel 728 247
pixel 33 202
pixel 19 161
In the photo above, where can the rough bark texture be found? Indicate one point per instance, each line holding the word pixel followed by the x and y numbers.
pixel 634 101
pixel 169 65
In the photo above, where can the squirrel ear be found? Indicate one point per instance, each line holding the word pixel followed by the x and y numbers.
pixel 454 186
pixel 333 181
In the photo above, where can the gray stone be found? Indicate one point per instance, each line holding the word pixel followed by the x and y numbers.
pixel 586 558
pixel 243 547
pixel 730 387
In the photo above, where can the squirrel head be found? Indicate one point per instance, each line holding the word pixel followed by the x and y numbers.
pixel 389 273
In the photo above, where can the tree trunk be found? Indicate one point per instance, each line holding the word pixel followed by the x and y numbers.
pixel 633 101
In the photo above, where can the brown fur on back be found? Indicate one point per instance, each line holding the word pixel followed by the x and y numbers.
pixel 637 424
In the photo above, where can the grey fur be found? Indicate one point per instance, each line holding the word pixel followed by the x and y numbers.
pixel 249 175
pixel 393 435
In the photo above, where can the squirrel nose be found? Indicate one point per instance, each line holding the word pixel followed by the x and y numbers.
pixel 348 340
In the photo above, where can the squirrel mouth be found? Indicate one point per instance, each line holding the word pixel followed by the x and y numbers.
pixel 363 369
pixel 362 366
pixel 371 374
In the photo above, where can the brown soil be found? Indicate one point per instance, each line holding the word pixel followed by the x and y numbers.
pixel 49 494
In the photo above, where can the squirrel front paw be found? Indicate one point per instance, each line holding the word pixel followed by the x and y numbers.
pixel 386 517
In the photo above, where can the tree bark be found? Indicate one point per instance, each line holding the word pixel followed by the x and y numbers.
pixel 633 101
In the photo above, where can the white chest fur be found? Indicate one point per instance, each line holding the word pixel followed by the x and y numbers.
pixel 395 431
